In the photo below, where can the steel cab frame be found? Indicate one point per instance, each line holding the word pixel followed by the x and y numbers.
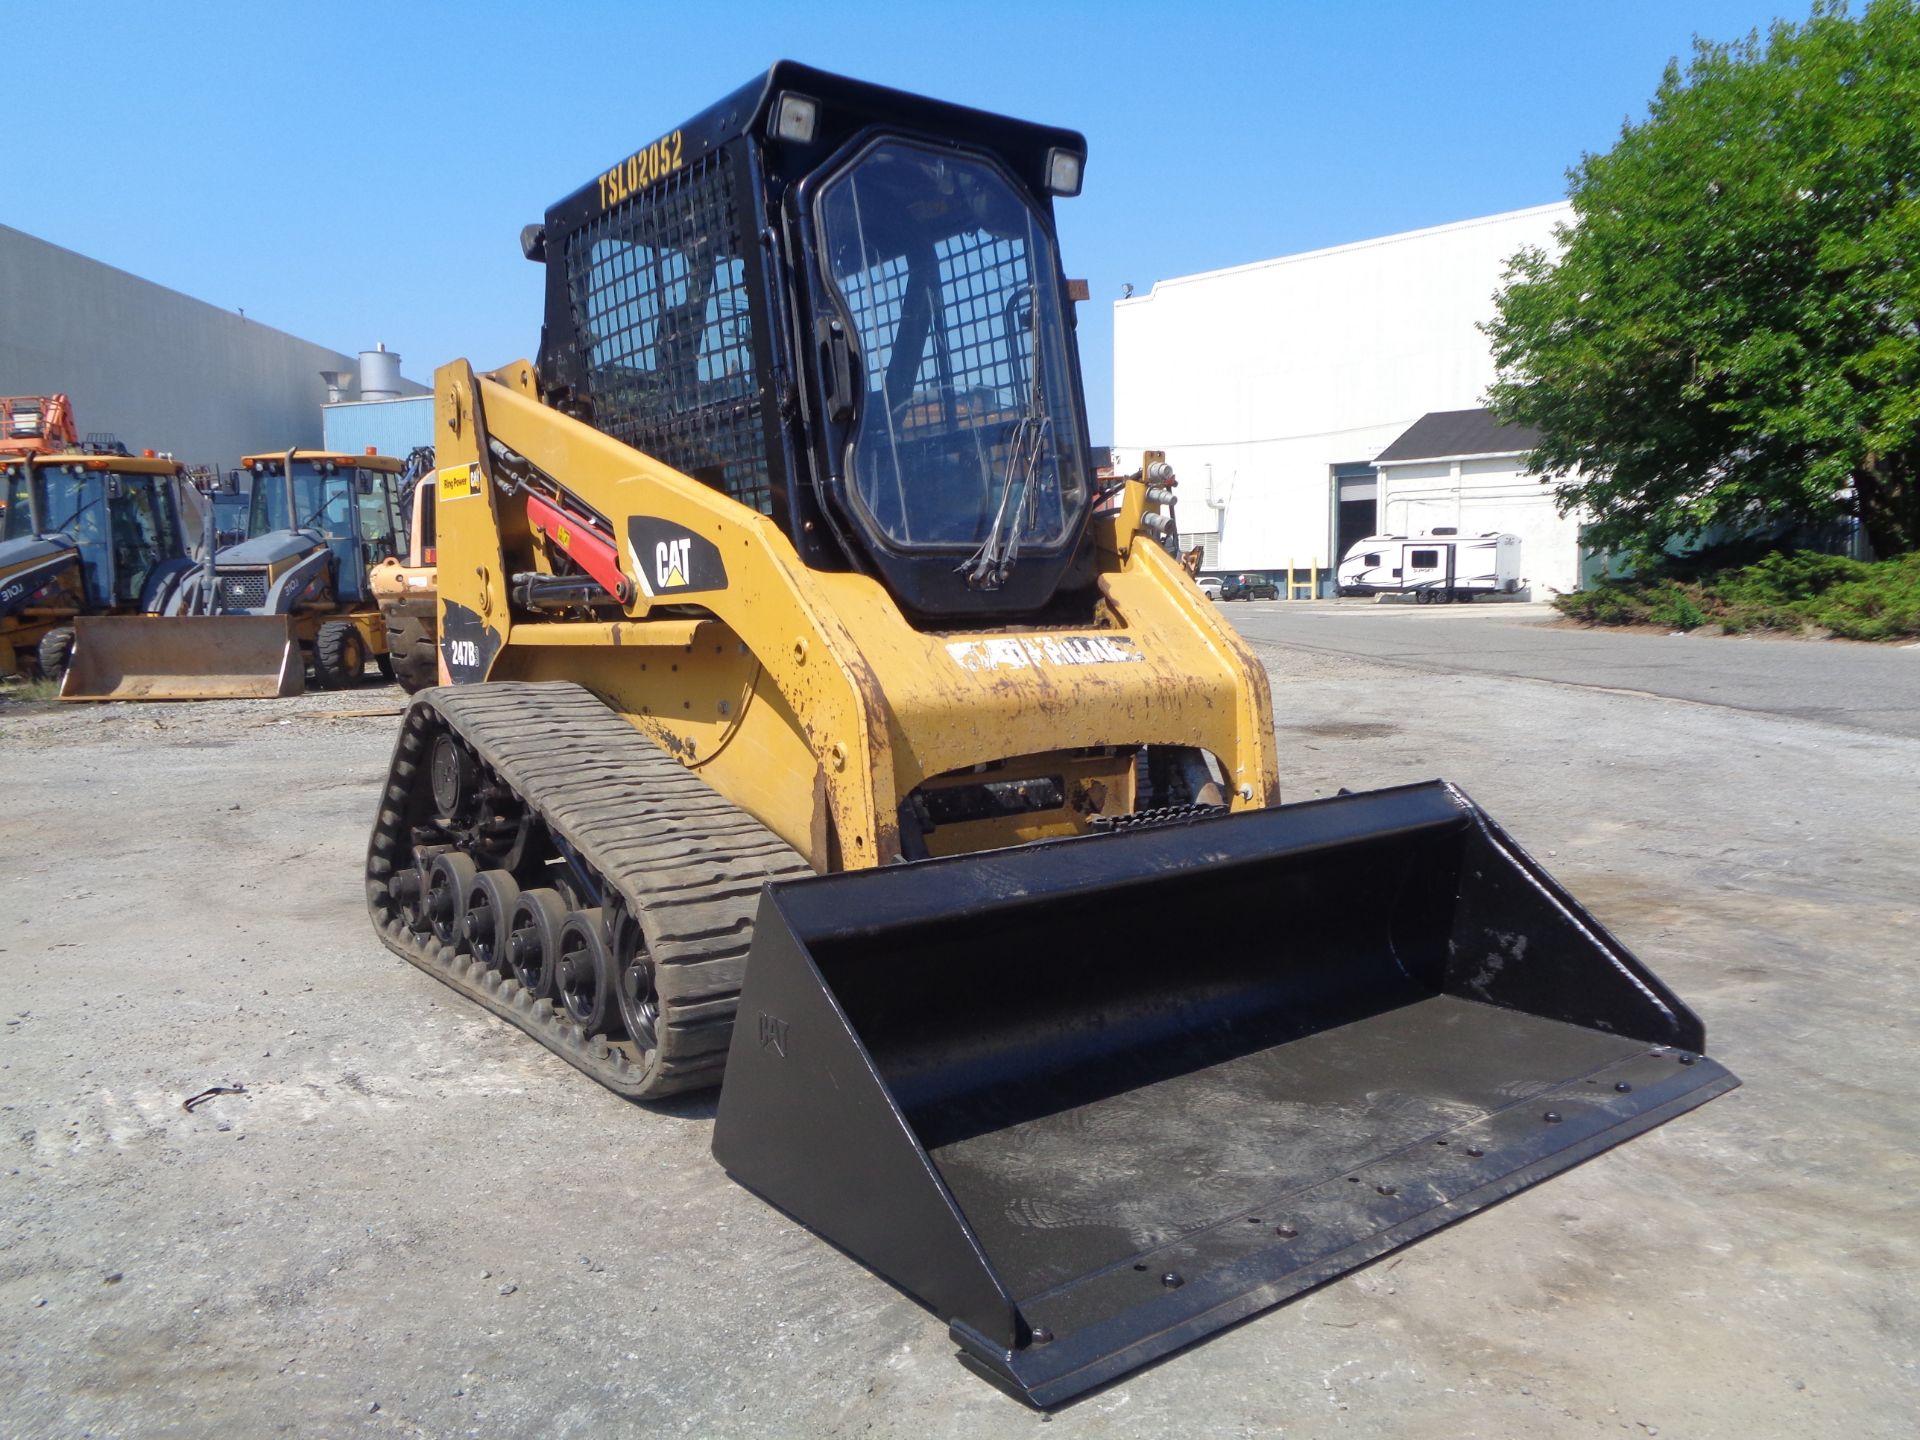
pixel 705 304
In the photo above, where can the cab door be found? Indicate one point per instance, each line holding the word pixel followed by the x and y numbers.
pixel 381 530
pixel 138 525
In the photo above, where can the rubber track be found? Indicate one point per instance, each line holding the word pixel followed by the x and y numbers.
pixel 689 865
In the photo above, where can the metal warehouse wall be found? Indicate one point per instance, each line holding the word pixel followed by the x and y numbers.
pixel 393 427
pixel 159 369
pixel 1257 380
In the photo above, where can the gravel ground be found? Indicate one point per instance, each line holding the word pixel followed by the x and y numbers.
pixel 415 1222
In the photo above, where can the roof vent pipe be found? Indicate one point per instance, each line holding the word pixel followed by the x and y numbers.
pixel 379 374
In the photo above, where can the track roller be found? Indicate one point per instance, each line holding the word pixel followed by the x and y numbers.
pixel 448 878
pixel 488 912
pixel 633 987
pixel 533 940
pixel 583 976
pixel 409 888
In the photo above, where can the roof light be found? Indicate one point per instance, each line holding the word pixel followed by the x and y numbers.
pixel 795 117
pixel 1063 172
pixel 149 455
pixel 373 449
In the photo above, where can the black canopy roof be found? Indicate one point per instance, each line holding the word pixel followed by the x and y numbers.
pixel 846 106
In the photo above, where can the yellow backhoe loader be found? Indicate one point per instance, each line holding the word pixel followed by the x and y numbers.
pixel 85 532
pixel 254 617
pixel 817 717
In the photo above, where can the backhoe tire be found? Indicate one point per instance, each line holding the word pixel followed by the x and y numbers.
pixel 56 649
pixel 339 655
pixel 416 662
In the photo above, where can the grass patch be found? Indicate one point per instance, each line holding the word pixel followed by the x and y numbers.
pixel 30 692
pixel 1850 598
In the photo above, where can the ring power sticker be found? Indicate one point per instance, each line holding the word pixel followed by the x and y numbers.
pixel 670 560
pixel 1043 652
pixel 457 483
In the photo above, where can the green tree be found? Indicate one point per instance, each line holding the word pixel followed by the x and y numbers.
pixel 1731 328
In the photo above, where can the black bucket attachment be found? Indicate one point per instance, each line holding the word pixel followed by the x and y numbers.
pixel 1094 1099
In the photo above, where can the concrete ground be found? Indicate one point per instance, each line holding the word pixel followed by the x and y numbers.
pixel 416 1222
pixel 1866 687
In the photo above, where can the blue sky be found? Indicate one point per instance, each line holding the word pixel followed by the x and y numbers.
pixel 353 173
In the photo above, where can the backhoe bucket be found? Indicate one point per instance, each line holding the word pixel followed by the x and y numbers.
pixel 184 657
pixel 1094 1099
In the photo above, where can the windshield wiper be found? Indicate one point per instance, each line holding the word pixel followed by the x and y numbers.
pixel 989 566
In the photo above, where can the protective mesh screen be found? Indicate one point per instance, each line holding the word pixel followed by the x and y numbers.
pixel 950 285
pixel 661 309
pixel 984 322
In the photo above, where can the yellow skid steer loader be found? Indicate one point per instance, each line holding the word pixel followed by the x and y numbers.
pixel 818 719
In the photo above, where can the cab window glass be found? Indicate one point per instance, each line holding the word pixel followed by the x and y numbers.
pixel 136 524
pixel 423 543
pixel 19 512
pixel 74 500
pixel 376 519
pixel 966 417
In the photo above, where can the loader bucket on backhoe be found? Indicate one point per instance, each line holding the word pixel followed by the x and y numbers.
pixel 184 657
pixel 1094 1099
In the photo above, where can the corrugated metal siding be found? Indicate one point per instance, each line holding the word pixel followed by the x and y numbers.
pixel 393 427
pixel 157 368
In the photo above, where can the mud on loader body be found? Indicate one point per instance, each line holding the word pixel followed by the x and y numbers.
pixel 823 689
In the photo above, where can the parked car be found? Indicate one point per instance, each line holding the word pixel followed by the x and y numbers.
pixel 1209 586
pixel 1248 587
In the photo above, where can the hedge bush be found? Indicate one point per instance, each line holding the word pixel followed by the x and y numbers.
pixel 1789 592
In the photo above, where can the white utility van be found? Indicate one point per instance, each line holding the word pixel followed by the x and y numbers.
pixel 1438 566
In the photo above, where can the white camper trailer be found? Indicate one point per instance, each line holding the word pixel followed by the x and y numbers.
pixel 1439 566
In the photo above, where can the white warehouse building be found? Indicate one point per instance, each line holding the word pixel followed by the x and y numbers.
pixel 1276 387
